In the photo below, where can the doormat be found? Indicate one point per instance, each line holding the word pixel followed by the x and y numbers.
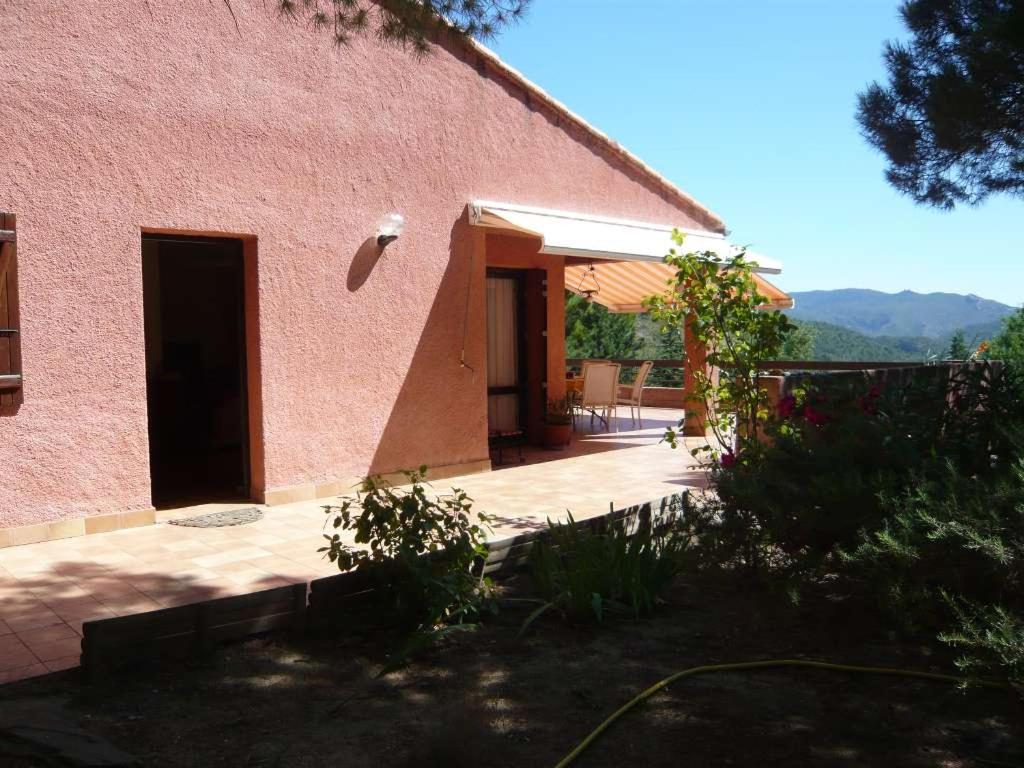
pixel 221 519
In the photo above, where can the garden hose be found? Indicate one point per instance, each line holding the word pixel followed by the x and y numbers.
pixel 569 758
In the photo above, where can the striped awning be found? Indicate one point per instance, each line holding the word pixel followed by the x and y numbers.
pixel 621 286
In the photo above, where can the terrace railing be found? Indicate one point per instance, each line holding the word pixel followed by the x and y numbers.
pixel 787 365
pixel 664 386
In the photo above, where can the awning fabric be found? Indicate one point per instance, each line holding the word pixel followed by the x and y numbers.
pixel 622 286
pixel 597 237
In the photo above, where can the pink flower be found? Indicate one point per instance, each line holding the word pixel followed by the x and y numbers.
pixel 728 460
pixel 867 402
pixel 816 417
pixel 786 406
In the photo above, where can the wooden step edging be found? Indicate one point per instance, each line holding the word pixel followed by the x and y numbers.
pixel 193 630
pixel 189 630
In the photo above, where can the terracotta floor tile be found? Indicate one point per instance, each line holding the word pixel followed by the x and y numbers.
pixel 46 635
pixel 75 608
pixel 22 673
pixel 194 574
pixel 190 548
pixel 58 649
pixel 14 653
pixel 262 539
pixel 230 556
pixel 33 618
pixel 63 590
pixel 65 662
pixel 225 569
pixel 188 595
pixel 104 590
pixel 76 624
pixel 249 576
pixel 113 559
pixel 290 571
pixel 130 603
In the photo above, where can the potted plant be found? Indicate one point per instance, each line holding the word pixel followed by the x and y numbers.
pixel 558 424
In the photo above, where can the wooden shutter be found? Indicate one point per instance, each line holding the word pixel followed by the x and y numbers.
pixel 10 320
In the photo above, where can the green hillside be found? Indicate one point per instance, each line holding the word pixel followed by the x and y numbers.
pixel 591 331
pixel 832 342
pixel 907 313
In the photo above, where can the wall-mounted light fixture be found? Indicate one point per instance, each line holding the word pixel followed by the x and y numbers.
pixel 389 228
pixel 592 287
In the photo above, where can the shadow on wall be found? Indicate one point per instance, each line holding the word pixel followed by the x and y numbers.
pixel 363 264
pixel 440 415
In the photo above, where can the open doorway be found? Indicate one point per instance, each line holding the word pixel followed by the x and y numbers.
pixel 194 304
pixel 516 353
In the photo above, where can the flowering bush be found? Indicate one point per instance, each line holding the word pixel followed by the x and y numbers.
pixel 909 491
pixel 716 299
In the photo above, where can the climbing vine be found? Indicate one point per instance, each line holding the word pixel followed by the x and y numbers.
pixel 717 301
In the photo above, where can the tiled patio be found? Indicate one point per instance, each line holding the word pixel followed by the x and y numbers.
pixel 48 590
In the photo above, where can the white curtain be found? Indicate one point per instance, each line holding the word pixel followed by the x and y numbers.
pixel 502 351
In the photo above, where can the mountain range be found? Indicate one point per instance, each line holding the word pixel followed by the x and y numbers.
pixel 906 313
pixel 863 324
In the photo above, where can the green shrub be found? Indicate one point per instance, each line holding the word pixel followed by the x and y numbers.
pixel 624 567
pixel 420 551
pixel 911 492
pixel 950 559
pixel 990 638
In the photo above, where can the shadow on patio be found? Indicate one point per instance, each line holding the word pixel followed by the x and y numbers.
pixel 274 702
pixel 48 590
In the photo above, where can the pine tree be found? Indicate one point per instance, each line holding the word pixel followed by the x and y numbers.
pixel 799 343
pixel 670 347
pixel 950 120
pixel 407 23
pixel 958 346
pixel 1008 346
pixel 591 331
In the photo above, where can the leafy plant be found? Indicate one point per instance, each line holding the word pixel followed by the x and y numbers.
pixel 420 551
pixel 717 301
pixel 559 411
pixel 622 569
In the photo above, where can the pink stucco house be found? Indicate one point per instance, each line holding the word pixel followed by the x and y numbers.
pixel 193 300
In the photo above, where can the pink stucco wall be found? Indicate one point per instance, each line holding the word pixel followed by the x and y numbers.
pixel 120 117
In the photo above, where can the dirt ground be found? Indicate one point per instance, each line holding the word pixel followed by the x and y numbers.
pixel 486 698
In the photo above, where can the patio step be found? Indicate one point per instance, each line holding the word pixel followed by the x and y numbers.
pixel 194 629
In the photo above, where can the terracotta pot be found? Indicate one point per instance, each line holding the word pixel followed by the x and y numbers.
pixel 557 436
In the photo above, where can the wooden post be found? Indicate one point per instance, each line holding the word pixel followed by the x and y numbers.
pixel 10 320
pixel 695 360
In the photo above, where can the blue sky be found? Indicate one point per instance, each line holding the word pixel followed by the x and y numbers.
pixel 749 107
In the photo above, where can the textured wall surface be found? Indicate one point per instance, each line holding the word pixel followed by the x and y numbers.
pixel 122 117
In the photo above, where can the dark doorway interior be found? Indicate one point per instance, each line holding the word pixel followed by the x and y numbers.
pixel 194 293
pixel 516 352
